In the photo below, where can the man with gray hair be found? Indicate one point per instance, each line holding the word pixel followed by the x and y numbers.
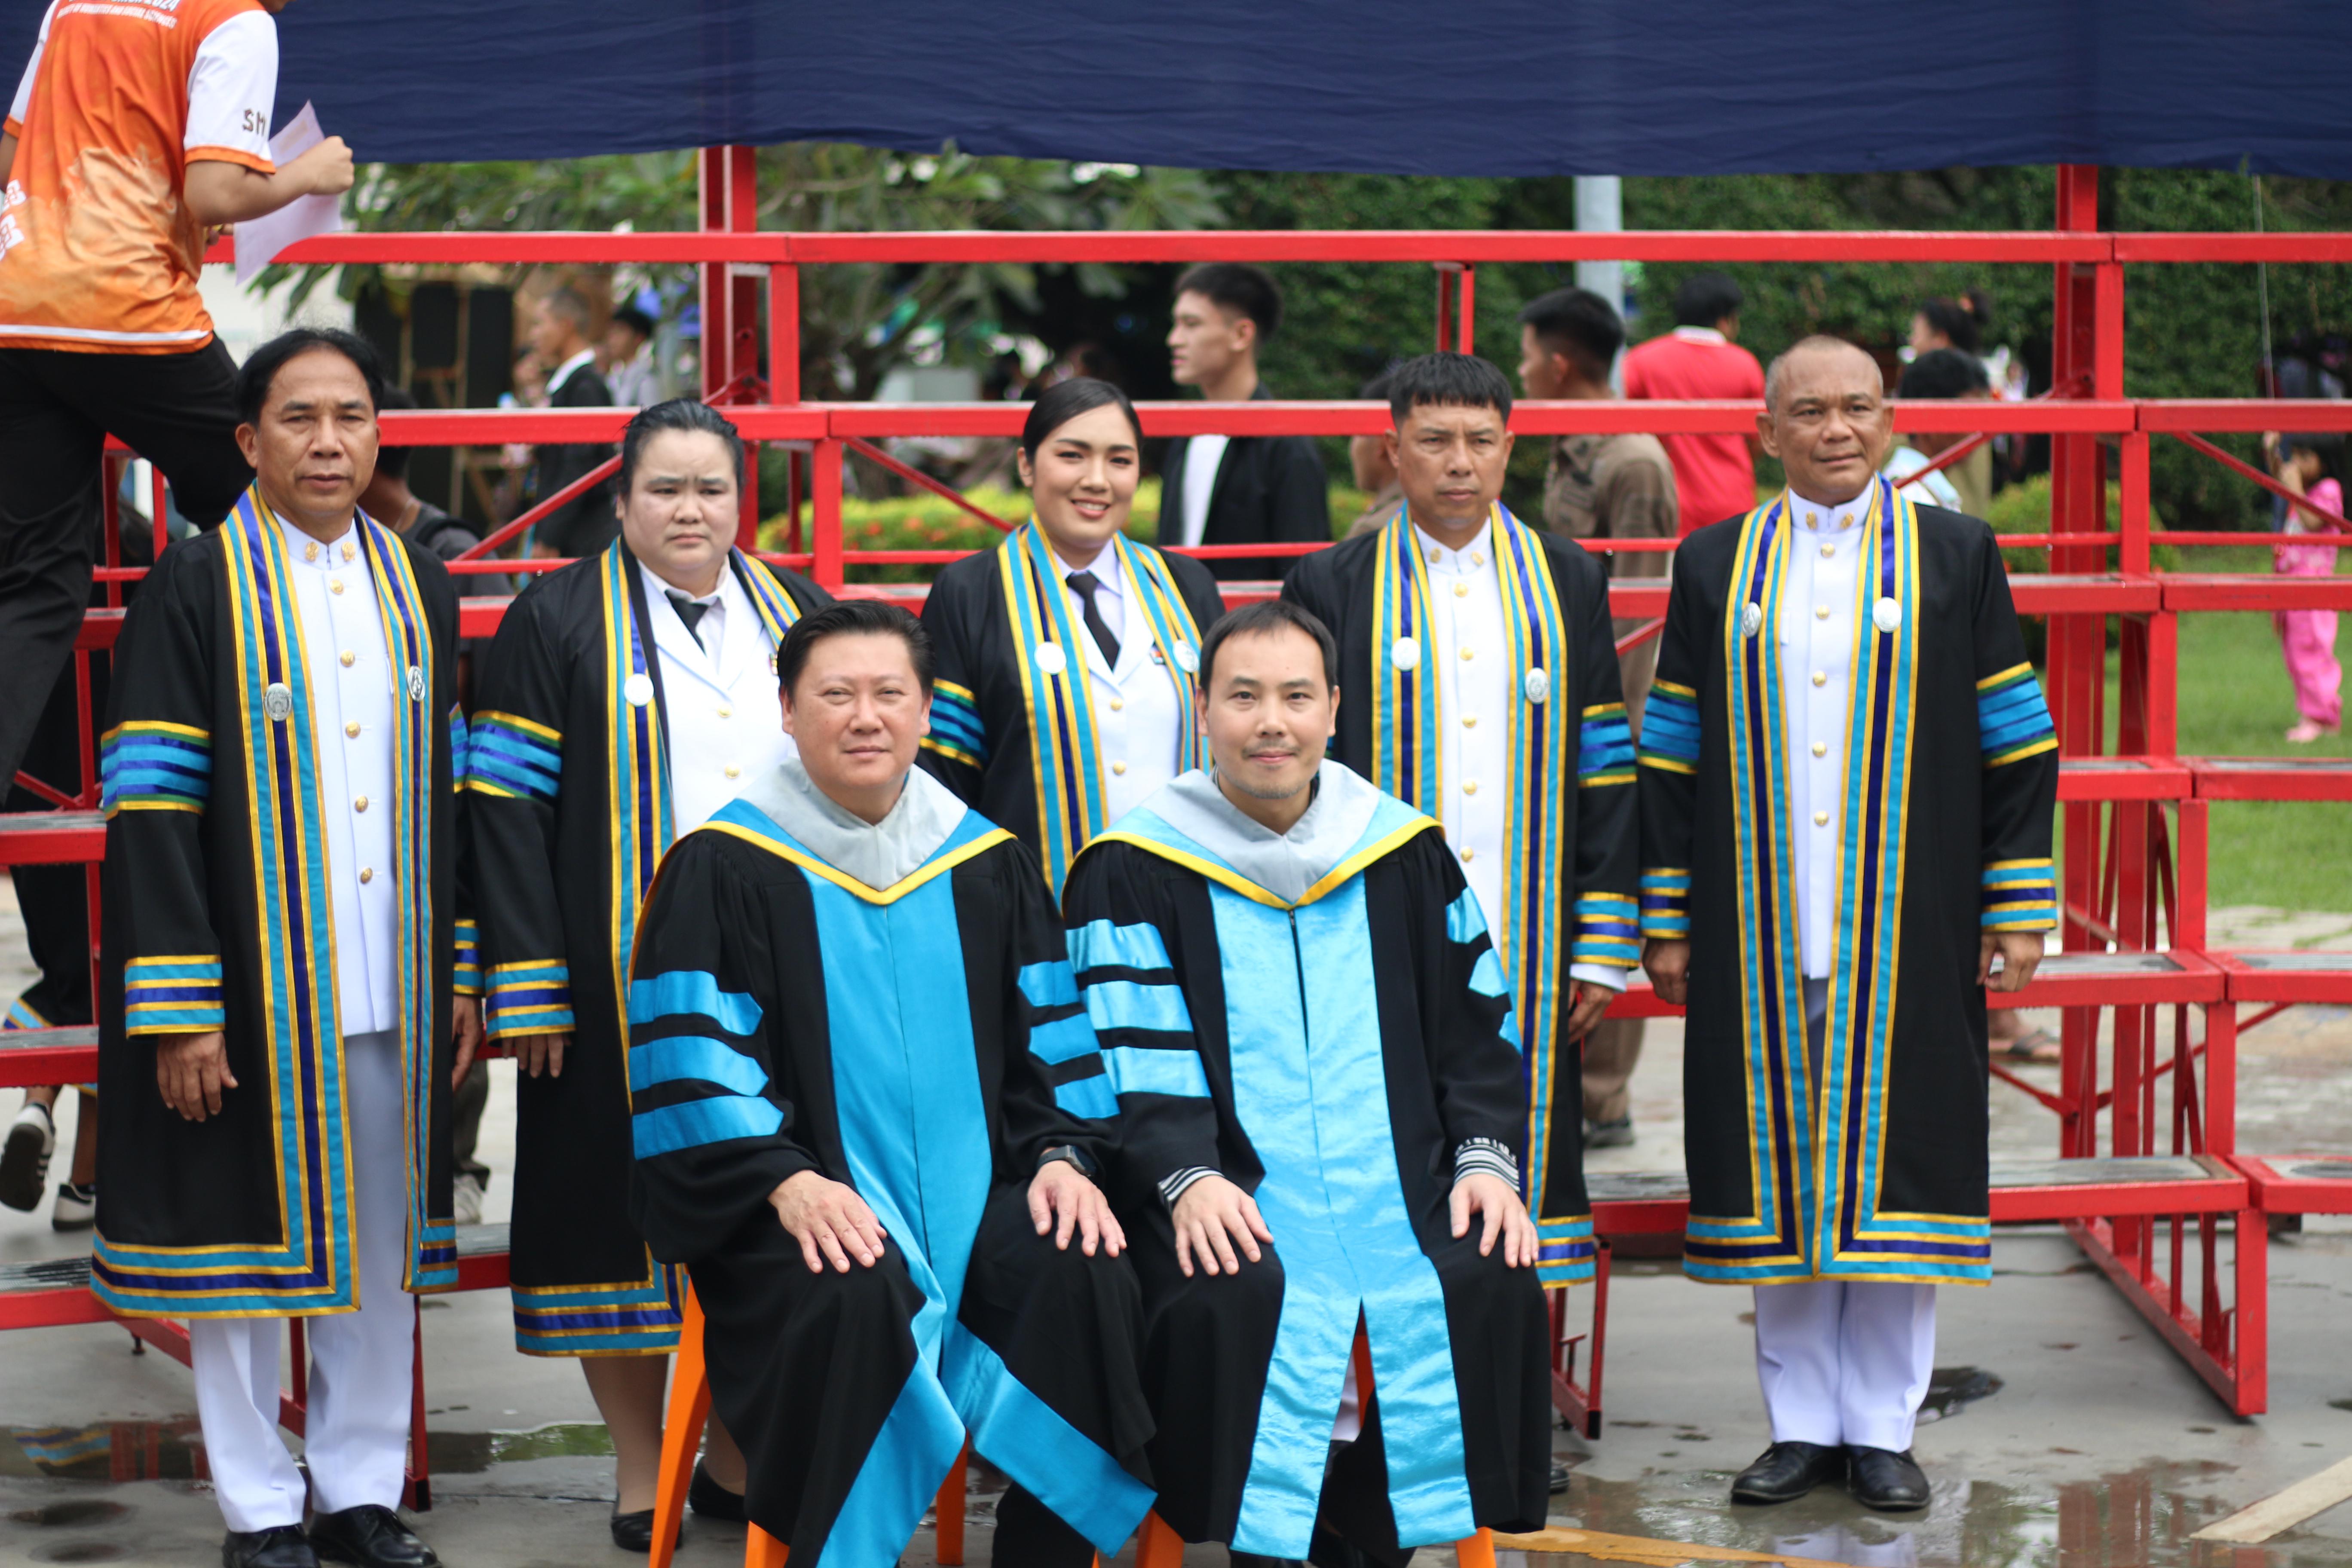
pixel 560 337
pixel 1847 777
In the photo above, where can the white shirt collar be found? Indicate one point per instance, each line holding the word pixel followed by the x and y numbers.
pixel 563 372
pixel 1473 555
pixel 1108 578
pixel 660 587
pixel 330 552
pixel 1700 335
pixel 1816 518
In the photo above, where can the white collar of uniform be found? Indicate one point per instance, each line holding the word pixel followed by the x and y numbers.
pixel 1284 864
pixel 1109 576
pixel 564 371
pixel 331 551
pixel 1477 555
pixel 880 854
pixel 1815 518
pixel 1700 335
pixel 658 588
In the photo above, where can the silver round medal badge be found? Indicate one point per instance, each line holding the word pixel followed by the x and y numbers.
pixel 1406 654
pixel 1537 685
pixel 278 702
pixel 1186 659
pixel 1051 658
pixel 415 684
pixel 1751 619
pixel 638 688
pixel 1887 614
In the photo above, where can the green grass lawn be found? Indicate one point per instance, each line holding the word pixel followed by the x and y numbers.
pixel 2235 701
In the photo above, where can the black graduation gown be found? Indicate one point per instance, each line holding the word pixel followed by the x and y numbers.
pixel 1041 777
pixel 216 917
pixel 1269 490
pixel 568 811
pixel 1571 882
pixel 1329 1058
pixel 1879 1170
pixel 924 1044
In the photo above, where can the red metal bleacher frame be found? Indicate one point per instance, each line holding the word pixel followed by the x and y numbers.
pixel 2134 873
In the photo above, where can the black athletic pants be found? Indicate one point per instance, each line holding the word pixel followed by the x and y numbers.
pixel 177 410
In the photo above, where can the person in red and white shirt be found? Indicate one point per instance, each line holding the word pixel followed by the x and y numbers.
pixel 138 126
pixel 1715 476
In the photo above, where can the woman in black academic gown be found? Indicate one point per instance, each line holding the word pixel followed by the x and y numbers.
pixel 1067 655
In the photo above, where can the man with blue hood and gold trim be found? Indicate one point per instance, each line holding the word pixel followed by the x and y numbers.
pixel 278 1039
pixel 628 696
pixel 1848 774
pixel 1486 692
pixel 1322 1108
pixel 869 1114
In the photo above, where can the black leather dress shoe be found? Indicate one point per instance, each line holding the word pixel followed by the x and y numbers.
pixel 710 1500
pixel 633 1531
pixel 371 1535
pixel 1882 1479
pixel 1787 1472
pixel 282 1546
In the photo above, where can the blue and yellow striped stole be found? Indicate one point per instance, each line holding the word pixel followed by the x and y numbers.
pixel 1066 761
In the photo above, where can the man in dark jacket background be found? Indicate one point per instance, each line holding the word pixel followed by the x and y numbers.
pixel 1239 489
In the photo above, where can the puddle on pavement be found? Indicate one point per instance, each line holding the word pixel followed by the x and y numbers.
pixel 80 1511
pixel 471 1453
pixel 107 1451
pixel 2136 1519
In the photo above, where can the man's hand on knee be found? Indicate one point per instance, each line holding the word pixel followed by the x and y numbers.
pixel 829 1220
pixel 1061 1191
pixel 1212 1217
pixel 1504 1215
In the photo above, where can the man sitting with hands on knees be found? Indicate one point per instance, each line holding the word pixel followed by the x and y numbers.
pixel 869 1114
pixel 1322 1109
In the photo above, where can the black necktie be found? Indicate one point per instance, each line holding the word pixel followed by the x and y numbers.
pixel 1085 584
pixel 689 611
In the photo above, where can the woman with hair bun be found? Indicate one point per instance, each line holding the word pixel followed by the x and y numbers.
pixel 1067 654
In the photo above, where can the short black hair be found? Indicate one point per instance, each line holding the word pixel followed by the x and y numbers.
pixel 261 367
pixel 2327 446
pixel 393 461
pixel 853 617
pixel 1449 380
pixel 1578 323
pixel 1065 401
pixel 1705 299
pixel 1943 374
pixel 1963 321
pixel 677 414
pixel 1238 287
pixel 1259 620
pixel 636 320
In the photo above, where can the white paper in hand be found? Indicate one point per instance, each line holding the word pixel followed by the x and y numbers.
pixel 259 240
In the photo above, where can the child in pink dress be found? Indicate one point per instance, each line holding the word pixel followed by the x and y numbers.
pixel 2303 464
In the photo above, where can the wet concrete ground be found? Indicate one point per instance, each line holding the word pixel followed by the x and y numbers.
pixel 2098 1449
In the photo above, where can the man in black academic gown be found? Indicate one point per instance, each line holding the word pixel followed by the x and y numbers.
pixel 1483 689
pixel 1322 1110
pixel 1847 779
pixel 274 1016
pixel 869 1111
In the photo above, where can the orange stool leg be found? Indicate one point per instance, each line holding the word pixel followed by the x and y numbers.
pixel 948 1513
pixel 1475 1551
pixel 761 1550
pixel 1157 1546
pixel 689 1407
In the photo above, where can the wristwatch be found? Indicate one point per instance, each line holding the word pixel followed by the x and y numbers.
pixel 1076 1157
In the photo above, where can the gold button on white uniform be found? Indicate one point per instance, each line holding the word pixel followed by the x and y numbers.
pixel 1117 704
pixel 1432 558
pixel 1469 786
pixel 1821 612
pixel 1820 677
pixel 360 804
pixel 1469 653
pixel 1821 819
pixel 1469 721
pixel 310 551
pixel 346 657
pixel 725 711
pixel 367 873
pixel 1821 748
pixel 1828 551
pixel 348 550
pixel 1477 559
pixel 731 770
pixel 1467 852
pixel 352 728
pixel 1461 589
pixel 334 584
pixel 1119 768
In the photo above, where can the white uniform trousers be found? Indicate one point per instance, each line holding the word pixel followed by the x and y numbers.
pixel 357 1421
pixel 1844 1361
